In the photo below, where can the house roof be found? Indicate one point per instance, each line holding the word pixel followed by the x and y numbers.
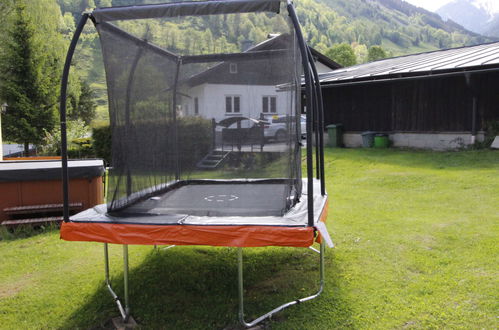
pixel 270 48
pixel 278 42
pixel 324 59
pixel 448 61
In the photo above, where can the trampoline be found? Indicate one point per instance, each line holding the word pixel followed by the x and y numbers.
pixel 171 181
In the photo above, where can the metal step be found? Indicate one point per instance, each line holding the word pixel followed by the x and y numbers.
pixel 30 209
pixel 31 221
pixel 213 160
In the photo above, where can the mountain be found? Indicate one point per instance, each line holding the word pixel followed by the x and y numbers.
pixel 397 26
pixel 402 27
pixel 480 16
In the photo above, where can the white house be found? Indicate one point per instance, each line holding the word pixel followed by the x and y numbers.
pixel 249 89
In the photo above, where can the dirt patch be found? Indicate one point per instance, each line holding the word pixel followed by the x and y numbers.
pixel 11 289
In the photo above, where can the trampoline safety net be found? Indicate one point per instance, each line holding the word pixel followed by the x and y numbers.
pixel 223 117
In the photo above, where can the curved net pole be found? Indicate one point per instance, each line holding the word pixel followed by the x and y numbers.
pixel 320 111
pixel 308 92
pixel 315 118
pixel 128 94
pixel 174 119
pixel 62 107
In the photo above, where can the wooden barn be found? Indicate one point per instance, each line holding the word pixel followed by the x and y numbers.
pixel 437 100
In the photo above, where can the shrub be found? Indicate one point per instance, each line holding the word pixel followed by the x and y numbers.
pixel 76 129
pixel 155 138
pixel 101 142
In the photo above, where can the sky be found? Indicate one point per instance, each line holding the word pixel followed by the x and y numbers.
pixel 431 5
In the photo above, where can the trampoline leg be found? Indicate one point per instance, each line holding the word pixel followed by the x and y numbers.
pixel 124 314
pixel 125 281
pixel 240 284
pixel 280 308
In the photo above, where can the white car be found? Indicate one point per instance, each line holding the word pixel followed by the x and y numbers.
pixel 275 127
pixel 303 125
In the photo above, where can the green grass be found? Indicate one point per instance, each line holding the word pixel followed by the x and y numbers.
pixel 417 247
pixel 396 50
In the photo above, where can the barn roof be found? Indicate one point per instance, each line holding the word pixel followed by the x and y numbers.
pixel 440 62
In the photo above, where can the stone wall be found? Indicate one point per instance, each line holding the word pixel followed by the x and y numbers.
pixel 433 141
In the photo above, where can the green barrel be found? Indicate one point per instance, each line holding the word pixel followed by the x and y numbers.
pixel 335 135
pixel 381 141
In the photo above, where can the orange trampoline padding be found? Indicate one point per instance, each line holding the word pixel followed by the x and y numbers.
pixel 234 236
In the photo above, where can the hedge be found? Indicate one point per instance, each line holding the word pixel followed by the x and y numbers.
pixel 151 143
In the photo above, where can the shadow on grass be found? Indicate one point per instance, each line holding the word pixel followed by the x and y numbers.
pixel 25 231
pixel 196 288
pixel 449 160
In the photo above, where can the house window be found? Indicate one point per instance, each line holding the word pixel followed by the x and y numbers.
pixel 232 104
pixel 233 67
pixel 269 104
pixel 196 106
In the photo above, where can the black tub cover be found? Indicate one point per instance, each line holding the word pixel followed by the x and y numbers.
pixel 41 170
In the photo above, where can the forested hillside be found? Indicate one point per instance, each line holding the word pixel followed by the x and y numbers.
pixel 398 27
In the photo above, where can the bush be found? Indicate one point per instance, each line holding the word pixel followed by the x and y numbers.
pixel 76 130
pixel 81 148
pixel 491 131
pixel 101 142
pixel 156 139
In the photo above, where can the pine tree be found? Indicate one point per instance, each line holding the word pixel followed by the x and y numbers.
pixel 26 85
pixel 83 106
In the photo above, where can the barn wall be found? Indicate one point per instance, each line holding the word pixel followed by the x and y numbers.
pixel 420 105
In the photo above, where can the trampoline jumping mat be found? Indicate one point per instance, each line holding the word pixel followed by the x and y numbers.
pixel 249 199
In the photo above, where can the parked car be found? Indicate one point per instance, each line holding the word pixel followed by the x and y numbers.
pixel 275 127
pixel 303 124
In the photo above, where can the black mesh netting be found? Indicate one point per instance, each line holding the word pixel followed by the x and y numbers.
pixel 208 115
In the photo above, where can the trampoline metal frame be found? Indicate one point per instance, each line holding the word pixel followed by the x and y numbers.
pixel 315 118
pixel 125 310
pixel 281 307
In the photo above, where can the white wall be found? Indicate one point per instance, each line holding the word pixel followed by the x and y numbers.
pixel 434 141
pixel 212 100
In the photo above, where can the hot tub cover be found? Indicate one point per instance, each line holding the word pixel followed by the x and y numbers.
pixel 41 170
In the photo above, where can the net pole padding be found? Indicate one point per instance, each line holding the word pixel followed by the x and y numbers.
pixel 62 109
pixel 188 8
pixel 127 115
pixel 319 116
pixel 320 111
pixel 174 119
pixel 315 121
pixel 308 92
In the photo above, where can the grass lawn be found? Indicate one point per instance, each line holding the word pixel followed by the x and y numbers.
pixel 417 237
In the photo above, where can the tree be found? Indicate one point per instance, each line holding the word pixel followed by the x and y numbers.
pixel 375 53
pixel 360 51
pixel 83 107
pixel 342 54
pixel 27 83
